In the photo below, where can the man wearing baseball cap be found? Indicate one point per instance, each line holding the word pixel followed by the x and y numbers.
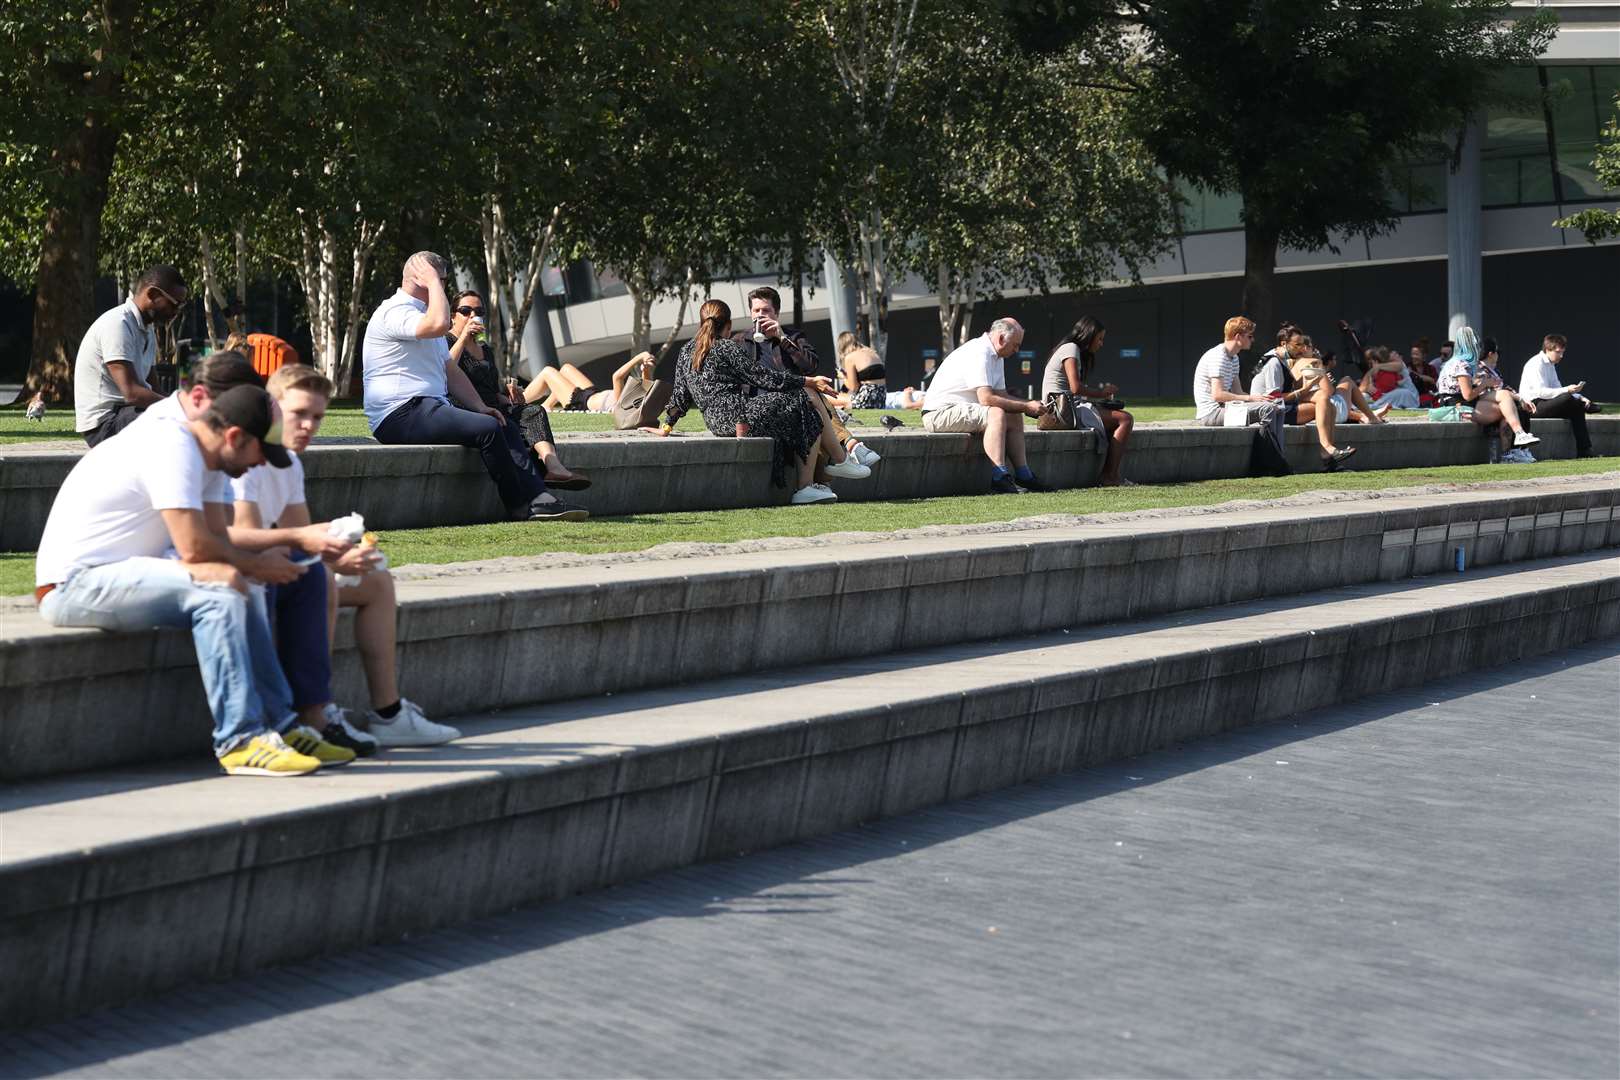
pixel 297 609
pixel 101 564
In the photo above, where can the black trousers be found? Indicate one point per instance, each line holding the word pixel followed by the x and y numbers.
pixel 116 421
pixel 507 458
pixel 1565 407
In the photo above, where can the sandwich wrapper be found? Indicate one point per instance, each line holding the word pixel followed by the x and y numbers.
pixel 352 527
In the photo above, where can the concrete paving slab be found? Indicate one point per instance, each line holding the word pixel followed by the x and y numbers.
pixel 1366 890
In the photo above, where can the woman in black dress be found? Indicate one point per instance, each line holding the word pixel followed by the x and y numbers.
pixel 715 374
pixel 477 360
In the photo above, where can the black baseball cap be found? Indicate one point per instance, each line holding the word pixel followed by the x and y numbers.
pixel 251 409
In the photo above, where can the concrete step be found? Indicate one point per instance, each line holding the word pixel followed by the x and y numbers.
pixel 121 883
pixel 489 638
pixel 409 487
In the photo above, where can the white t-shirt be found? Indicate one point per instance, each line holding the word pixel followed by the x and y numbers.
pixel 960 375
pixel 117 334
pixel 272 488
pixel 1539 381
pixel 108 508
pixel 1215 364
pixel 399 365
pixel 217 486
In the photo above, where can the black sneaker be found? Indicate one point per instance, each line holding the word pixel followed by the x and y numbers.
pixel 555 510
pixel 1003 485
pixel 340 732
pixel 1032 484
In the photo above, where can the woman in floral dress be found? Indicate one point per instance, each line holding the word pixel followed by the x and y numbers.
pixel 714 374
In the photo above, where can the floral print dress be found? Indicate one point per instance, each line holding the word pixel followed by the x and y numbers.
pixel 781 413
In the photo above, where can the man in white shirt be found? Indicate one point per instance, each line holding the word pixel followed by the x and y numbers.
pixel 273 499
pixel 1554 399
pixel 102 563
pixel 968 393
pixel 117 353
pixel 410 378
pixel 1216 389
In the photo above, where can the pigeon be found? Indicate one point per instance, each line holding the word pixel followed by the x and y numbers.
pixel 892 422
pixel 36 408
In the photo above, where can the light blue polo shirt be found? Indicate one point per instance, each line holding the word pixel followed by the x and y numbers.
pixel 399 365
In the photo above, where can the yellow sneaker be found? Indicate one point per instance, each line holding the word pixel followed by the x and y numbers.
pixel 266 755
pixel 307 741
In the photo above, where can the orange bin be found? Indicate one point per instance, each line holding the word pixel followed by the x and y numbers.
pixel 270 354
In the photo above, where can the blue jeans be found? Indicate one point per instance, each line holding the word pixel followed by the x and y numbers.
pixel 425 421
pixel 240 672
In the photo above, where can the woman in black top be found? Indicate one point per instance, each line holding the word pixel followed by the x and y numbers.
pixel 477 360
pixel 710 375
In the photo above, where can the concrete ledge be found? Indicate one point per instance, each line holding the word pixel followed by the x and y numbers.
pixel 121 885
pixel 408 487
pixel 502 639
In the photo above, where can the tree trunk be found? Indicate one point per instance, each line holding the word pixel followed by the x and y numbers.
pixel 1260 279
pixel 64 288
pixel 529 280
pixel 640 314
pixel 680 315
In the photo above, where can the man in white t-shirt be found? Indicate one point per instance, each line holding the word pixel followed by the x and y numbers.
pixel 410 378
pixel 1554 398
pixel 117 353
pixel 1216 389
pixel 968 393
pixel 102 563
pixel 273 499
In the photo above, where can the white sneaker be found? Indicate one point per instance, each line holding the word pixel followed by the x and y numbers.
pixel 865 454
pixel 814 493
pixel 410 728
pixel 1524 438
pixel 849 469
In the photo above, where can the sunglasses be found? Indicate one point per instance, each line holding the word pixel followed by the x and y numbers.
pixel 469 310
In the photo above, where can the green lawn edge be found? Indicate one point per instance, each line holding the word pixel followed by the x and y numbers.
pixel 469 543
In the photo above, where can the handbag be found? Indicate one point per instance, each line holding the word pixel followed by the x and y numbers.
pixel 1059 414
pixel 640 402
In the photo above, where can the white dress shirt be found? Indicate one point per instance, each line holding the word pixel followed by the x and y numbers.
pixel 1540 381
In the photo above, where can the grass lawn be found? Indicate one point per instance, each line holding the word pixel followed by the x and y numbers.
pixel 346 420
pixel 469 542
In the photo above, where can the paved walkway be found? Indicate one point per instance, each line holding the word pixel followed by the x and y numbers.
pixel 1422 884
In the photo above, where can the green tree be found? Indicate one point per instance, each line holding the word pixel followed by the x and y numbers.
pixel 1020 176
pixel 683 176
pixel 1598 225
pixel 1290 104
pixel 65 73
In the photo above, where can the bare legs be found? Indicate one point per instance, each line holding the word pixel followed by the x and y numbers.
pixel 1320 409
pixel 1498 407
pixel 376 612
pixel 1004 440
pixel 1120 425
pixel 556 386
pixel 1357 397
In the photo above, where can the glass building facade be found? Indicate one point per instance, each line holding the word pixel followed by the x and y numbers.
pixel 1538 151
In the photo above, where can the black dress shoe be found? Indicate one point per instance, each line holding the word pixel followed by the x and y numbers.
pixel 1003 485
pixel 1033 484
